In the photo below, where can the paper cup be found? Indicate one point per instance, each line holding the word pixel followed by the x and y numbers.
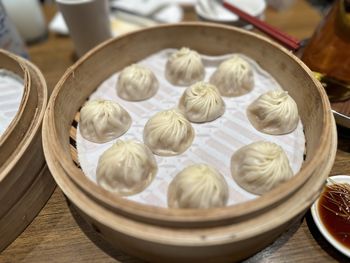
pixel 87 21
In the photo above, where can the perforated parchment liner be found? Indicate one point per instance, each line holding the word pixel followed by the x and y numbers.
pixel 11 92
pixel 214 142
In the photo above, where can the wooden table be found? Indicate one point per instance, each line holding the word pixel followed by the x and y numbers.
pixel 59 234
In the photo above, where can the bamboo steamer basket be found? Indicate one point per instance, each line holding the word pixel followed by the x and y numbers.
pixel 22 162
pixel 161 233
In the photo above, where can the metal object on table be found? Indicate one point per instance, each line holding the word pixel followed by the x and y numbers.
pixel 341 119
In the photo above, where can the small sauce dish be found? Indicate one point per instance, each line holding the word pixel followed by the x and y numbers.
pixel 330 218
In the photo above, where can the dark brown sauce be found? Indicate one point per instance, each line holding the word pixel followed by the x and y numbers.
pixel 337 221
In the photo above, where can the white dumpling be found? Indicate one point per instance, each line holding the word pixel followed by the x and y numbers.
pixel 260 167
pixel 103 120
pixel 202 102
pixel 184 67
pixel 126 168
pixel 198 186
pixel 234 77
pixel 136 83
pixel 168 133
pixel 274 112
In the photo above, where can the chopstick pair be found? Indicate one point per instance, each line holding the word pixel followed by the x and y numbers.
pixel 284 39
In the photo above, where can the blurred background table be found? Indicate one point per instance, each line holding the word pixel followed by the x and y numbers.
pixel 58 234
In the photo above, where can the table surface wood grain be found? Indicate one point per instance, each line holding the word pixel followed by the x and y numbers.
pixel 58 234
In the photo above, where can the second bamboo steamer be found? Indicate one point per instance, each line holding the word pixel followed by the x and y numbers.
pixel 25 182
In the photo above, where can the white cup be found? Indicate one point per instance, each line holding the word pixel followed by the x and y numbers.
pixel 87 21
pixel 9 36
pixel 28 18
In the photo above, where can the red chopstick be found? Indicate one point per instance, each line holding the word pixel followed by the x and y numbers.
pixel 284 39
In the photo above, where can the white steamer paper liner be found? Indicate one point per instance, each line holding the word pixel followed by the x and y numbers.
pixel 11 92
pixel 214 143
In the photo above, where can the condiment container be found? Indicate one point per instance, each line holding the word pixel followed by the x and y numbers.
pixel 328 51
pixel 331 212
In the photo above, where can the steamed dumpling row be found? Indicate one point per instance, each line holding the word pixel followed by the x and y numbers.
pixel 234 77
pixel 258 168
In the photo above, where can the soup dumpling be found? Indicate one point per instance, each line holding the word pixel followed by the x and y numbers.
pixel 260 167
pixel 103 120
pixel 126 168
pixel 168 133
pixel 198 186
pixel 137 83
pixel 274 112
pixel 202 102
pixel 184 67
pixel 234 77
